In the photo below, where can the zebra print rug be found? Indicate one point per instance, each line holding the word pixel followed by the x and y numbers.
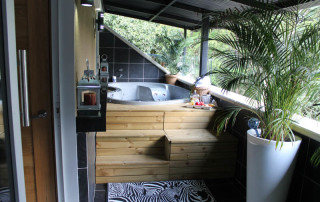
pixel 166 191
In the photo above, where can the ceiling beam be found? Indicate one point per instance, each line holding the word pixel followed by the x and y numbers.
pixel 162 10
pixel 277 5
pixel 182 6
pixel 146 19
pixel 114 6
pixel 252 3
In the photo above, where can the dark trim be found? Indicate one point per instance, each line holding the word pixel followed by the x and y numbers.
pixel 204 46
pixel 252 3
pixel 162 10
pixel 143 18
pixel 115 6
pixel 182 6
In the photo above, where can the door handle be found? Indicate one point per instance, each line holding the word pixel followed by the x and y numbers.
pixel 24 96
pixel 41 114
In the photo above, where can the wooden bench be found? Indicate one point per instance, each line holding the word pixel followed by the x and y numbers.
pixel 152 143
pixel 198 153
pixel 131 155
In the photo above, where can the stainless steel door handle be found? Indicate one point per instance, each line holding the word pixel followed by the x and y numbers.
pixel 24 95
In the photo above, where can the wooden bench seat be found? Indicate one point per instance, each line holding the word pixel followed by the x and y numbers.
pixel 195 153
pixel 131 168
pixel 152 143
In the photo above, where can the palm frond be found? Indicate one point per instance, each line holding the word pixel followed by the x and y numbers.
pixel 315 159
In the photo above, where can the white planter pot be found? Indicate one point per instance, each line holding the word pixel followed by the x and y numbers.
pixel 269 170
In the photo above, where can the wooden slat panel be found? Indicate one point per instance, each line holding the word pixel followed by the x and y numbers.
pixel 109 134
pixel 217 147
pixel 111 107
pixel 135 126
pixel 130 151
pixel 134 119
pixel 134 144
pixel 194 136
pixel 187 119
pixel 143 178
pixel 198 156
pixel 203 163
pixel 215 175
pixel 193 170
pixel 143 114
pixel 185 125
pixel 106 172
pixel 130 160
pixel 140 165
pixel 200 113
pixel 131 133
pixel 123 139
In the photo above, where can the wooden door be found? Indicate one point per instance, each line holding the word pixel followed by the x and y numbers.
pixel 33 35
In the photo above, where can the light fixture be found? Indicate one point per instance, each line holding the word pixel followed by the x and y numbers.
pixel 100 21
pixel 87 2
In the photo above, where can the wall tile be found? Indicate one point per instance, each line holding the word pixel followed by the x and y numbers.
pixel 136 71
pixel 135 57
pixel 109 52
pixel 83 185
pixel 82 150
pixel 122 80
pixel 121 69
pixel 111 70
pixel 161 74
pixel 152 80
pixel 135 80
pixel 108 40
pixel 119 43
pixel 150 71
pixel 121 55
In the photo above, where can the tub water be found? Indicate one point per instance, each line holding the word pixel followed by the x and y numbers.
pixel 144 93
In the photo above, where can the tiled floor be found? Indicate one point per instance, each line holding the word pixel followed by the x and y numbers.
pixel 223 190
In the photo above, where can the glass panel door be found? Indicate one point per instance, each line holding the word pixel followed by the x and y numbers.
pixel 6 176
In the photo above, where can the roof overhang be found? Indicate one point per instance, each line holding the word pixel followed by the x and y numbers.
pixel 187 14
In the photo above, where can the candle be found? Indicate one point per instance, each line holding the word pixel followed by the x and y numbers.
pixel 90 99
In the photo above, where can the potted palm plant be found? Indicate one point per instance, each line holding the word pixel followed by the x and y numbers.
pixel 171 54
pixel 273 57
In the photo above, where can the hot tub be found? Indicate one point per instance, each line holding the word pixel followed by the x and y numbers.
pixel 144 93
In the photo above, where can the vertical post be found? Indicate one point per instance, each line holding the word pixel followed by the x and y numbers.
pixel 204 45
pixel 185 48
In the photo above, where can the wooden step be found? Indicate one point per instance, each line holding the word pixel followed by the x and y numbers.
pixel 117 135
pixel 198 153
pixel 130 142
pixel 197 136
pixel 126 160
pixel 128 168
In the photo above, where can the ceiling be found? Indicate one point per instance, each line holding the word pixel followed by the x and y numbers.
pixel 184 13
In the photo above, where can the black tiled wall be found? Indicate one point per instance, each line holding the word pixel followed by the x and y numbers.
pixel 125 61
pixel 305 185
pixel 86 166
